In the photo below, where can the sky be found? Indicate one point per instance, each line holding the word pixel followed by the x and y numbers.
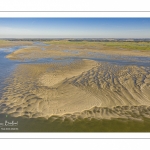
pixel 74 27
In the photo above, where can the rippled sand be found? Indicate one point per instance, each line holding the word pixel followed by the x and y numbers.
pixel 80 89
pixel 76 82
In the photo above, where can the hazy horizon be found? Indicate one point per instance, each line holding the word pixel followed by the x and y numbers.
pixel 75 28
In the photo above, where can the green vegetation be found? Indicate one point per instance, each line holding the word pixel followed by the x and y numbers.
pixel 3 41
pixel 66 42
pixel 128 45
pixel 117 45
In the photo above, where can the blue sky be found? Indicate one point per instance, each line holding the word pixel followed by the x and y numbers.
pixel 74 27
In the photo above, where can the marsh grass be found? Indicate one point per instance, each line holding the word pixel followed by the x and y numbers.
pixel 122 45
pixel 128 45
pixel 4 42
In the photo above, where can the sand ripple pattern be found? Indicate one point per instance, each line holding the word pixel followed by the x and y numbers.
pixel 136 113
pixel 84 88
pixel 116 85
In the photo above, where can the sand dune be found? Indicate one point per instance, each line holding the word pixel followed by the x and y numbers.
pixel 82 88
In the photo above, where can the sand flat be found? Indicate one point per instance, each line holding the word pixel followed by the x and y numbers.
pixel 35 92
pixel 65 49
pixel 81 88
pixel 6 43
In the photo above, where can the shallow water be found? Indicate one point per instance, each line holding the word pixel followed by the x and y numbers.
pixel 80 125
pixel 71 51
pixel 6 65
pixel 120 60
pixel 40 43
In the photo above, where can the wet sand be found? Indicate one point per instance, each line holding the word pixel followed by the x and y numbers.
pixel 64 50
pixel 76 86
pixel 78 125
pixel 43 90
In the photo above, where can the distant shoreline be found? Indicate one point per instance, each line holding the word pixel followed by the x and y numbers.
pixel 81 39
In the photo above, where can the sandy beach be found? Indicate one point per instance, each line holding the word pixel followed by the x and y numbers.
pixel 77 81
